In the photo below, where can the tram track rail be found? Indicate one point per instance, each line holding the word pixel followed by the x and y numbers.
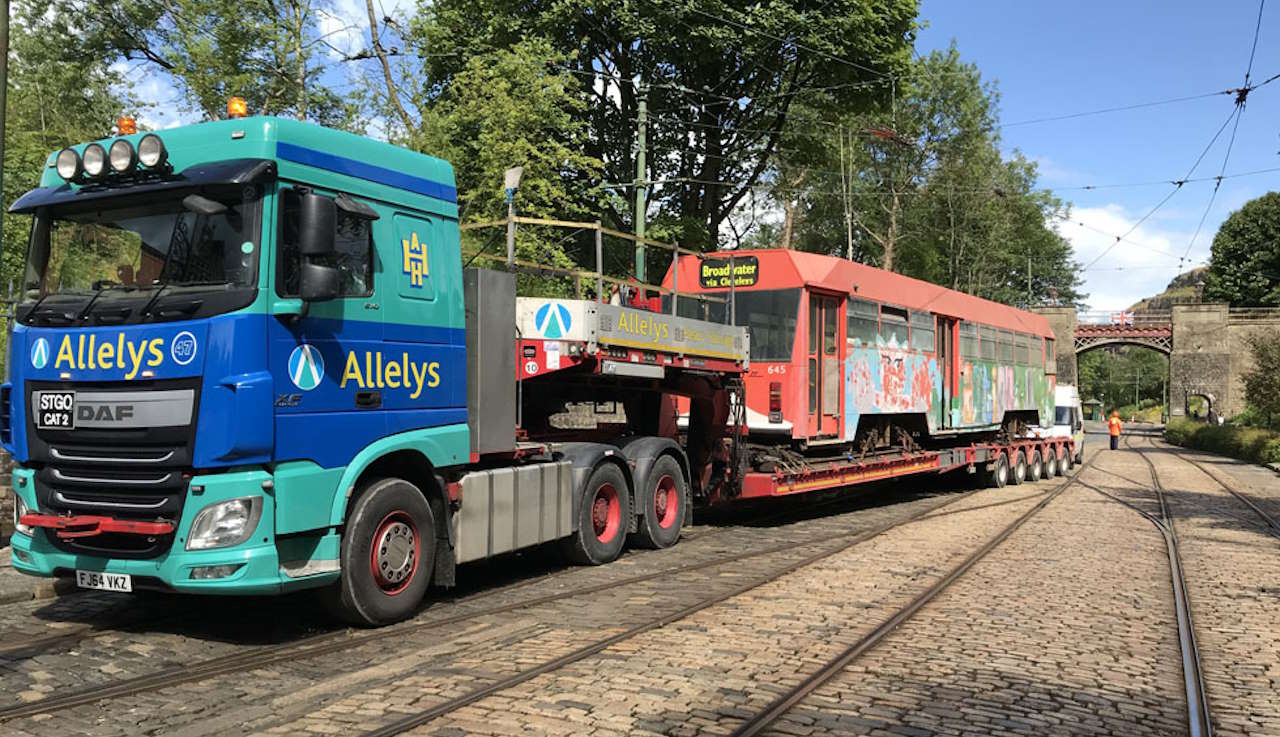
pixel 338 640
pixel 30 647
pixel 1272 525
pixel 428 715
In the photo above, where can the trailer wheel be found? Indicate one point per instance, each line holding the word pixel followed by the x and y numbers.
pixel 1035 470
pixel 1051 462
pixel 602 526
pixel 388 555
pixel 1019 470
pixel 664 504
pixel 998 476
pixel 1068 462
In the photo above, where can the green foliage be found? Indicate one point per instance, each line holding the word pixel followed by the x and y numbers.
pixel 507 108
pixel 930 194
pixel 1262 380
pixel 1111 374
pixel 721 95
pixel 1246 443
pixel 270 52
pixel 1244 268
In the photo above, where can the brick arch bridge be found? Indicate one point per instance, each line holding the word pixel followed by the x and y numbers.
pixel 1205 344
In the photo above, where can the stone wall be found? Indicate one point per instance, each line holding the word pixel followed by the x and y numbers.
pixel 1062 320
pixel 1201 362
pixel 6 497
pixel 1240 325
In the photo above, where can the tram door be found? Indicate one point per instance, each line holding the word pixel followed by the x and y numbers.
pixel 944 417
pixel 825 378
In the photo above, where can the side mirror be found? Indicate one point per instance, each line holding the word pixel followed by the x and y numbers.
pixel 317 219
pixel 317 283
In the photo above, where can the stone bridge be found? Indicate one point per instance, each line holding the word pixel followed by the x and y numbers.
pixel 1205 344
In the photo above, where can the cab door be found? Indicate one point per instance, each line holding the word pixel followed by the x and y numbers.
pixel 825 357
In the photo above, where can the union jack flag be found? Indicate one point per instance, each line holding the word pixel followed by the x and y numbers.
pixel 1122 318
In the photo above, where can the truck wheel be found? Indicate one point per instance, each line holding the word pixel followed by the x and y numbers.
pixel 1050 462
pixel 388 554
pixel 1019 470
pixel 664 504
pixel 1036 468
pixel 602 526
pixel 998 476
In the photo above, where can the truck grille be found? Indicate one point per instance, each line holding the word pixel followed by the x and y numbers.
pixel 138 473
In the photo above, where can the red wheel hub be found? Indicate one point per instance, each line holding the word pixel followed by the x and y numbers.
pixel 666 502
pixel 606 513
pixel 395 552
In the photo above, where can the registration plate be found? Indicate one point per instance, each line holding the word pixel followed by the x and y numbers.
pixel 104 581
pixel 55 410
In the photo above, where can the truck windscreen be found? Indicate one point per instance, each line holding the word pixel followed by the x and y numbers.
pixel 139 252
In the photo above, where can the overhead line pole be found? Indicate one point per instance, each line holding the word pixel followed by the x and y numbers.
pixel 642 112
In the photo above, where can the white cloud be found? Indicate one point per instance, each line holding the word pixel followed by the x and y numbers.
pixel 345 24
pixel 1139 266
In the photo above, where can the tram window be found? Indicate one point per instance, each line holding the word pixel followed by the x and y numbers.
pixel 893 326
pixel 1006 346
pixel 829 331
pixel 1020 349
pixel 968 340
pixel 922 331
pixel 769 314
pixel 988 343
pixel 863 322
pixel 1050 358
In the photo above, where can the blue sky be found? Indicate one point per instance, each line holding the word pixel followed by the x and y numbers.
pixel 1052 59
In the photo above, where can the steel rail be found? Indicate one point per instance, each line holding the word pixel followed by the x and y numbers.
pixel 338 640
pixel 1199 723
pixel 420 718
pixel 44 644
pixel 1273 527
pixel 763 719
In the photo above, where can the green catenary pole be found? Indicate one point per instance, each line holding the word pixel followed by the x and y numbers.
pixel 642 114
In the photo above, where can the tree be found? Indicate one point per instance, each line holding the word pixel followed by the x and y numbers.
pixel 1244 268
pixel 1262 381
pixel 927 192
pixel 722 80
pixel 514 107
pixel 269 52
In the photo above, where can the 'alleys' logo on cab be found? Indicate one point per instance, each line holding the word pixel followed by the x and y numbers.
pixel 415 260
pixel 87 352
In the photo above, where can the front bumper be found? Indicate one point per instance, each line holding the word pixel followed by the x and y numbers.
pixel 258 558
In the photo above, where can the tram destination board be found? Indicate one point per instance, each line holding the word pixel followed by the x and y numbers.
pixel 714 273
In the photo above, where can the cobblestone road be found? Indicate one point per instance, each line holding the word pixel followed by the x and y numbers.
pixel 1065 628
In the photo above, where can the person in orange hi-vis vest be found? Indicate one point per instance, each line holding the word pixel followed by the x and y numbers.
pixel 1114 426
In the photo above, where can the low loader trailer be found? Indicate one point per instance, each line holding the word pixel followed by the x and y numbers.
pixel 247 359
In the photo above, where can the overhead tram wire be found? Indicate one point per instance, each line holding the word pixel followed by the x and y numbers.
pixel 1177 186
pixel 1241 99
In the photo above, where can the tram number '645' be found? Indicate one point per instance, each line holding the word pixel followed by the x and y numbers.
pixel 55 410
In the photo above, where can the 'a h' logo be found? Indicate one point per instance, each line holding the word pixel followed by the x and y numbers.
pixel 415 259
pixel 40 353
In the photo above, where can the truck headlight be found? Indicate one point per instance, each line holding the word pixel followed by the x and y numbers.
pixel 19 509
pixel 222 524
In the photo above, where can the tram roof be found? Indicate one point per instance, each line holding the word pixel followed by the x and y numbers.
pixel 783 269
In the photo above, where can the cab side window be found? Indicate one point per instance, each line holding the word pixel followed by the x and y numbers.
pixel 353 257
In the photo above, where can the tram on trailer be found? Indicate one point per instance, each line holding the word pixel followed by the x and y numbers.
pixel 845 354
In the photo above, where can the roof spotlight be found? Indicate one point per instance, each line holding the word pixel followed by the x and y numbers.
pixel 95 160
pixel 123 157
pixel 68 164
pixel 151 151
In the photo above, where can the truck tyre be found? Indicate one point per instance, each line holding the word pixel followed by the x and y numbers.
pixel 388 554
pixel 664 501
pixel 1036 468
pixel 998 476
pixel 602 518
pixel 1018 473
pixel 1051 462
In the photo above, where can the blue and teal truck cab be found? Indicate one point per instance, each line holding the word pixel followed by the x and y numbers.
pixel 247 359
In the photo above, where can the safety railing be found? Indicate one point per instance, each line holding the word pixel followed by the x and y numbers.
pixel 1124 317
